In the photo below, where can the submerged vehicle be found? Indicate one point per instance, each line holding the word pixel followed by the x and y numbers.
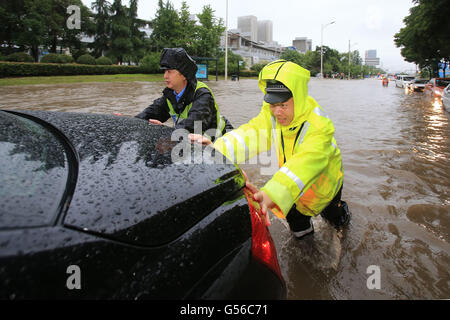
pixel 435 88
pixel 95 207
pixel 417 85
pixel 446 98
pixel 403 81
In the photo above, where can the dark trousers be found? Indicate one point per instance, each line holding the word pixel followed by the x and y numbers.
pixel 334 213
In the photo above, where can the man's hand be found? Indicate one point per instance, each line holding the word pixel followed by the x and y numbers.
pixel 198 138
pixel 264 201
pixel 155 122
pixel 261 197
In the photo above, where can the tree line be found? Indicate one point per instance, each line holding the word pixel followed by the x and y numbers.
pixel 41 25
pixel 425 39
pixel 37 25
pixel 334 63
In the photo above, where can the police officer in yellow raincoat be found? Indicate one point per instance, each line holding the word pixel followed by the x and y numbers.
pixel 309 181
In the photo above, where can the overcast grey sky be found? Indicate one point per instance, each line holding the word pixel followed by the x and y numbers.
pixel 368 24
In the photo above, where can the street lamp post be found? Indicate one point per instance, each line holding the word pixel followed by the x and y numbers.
pixel 226 43
pixel 321 46
pixel 349 48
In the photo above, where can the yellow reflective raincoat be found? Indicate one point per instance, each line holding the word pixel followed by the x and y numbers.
pixel 310 173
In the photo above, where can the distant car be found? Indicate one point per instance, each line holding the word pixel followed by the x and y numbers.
pixel 446 98
pixel 435 88
pixel 417 85
pixel 95 207
pixel 403 81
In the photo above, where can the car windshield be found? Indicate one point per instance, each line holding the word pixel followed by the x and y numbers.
pixel 420 81
pixel 33 172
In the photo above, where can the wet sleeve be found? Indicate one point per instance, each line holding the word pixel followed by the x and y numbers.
pixel 202 110
pixel 247 141
pixel 303 169
pixel 158 110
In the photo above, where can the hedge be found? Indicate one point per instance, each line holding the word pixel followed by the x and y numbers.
pixel 13 69
pixel 103 61
pixel 18 57
pixel 86 59
pixel 56 58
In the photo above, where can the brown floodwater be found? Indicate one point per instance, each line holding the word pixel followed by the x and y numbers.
pixel 395 149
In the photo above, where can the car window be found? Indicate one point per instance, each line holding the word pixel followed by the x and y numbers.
pixel 33 172
pixel 408 78
pixel 442 83
pixel 420 81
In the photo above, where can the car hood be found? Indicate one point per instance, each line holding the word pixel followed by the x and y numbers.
pixel 128 188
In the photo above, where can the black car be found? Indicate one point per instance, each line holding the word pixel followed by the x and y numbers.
pixel 94 207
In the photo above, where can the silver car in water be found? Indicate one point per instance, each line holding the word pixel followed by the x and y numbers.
pixel 446 98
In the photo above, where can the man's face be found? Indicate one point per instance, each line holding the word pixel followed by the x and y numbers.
pixel 174 80
pixel 283 112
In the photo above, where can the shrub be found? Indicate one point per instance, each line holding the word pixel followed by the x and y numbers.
pixel 19 57
pixel 103 61
pixel 86 59
pixel 258 67
pixel 56 58
pixel 13 69
pixel 151 62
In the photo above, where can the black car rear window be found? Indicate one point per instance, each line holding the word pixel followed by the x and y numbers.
pixel 33 173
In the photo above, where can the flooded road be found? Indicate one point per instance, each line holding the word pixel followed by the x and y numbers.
pixel 395 149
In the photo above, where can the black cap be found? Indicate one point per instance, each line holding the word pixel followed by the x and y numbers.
pixel 177 58
pixel 276 92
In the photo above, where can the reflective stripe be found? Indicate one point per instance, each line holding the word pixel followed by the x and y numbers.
pixel 320 112
pixel 334 146
pixel 220 125
pixel 230 149
pixel 274 135
pixel 303 134
pixel 337 187
pixel 296 179
pixel 242 142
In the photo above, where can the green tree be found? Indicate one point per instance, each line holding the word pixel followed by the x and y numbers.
pixel 424 39
pixel 233 61
pixel 102 20
pixel 208 33
pixel 166 27
pixel 294 56
pixel 34 30
pixel 121 45
pixel 12 14
pixel 187 37
pixel 137 36
pixel 312 61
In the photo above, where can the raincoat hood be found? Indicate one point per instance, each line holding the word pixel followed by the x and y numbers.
pixel 177 58
pixel 296 79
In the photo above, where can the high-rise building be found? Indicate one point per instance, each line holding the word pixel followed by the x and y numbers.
pixel 265 31
pixel 371 58
pixel 302 45
pixel 248 25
